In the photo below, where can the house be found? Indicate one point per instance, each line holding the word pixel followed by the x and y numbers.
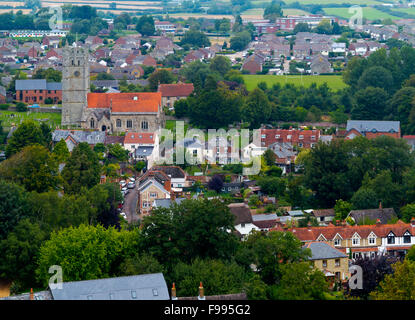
pixel 139 287
pixel 380 215
pixel 164 26
pixel 145 60
pixel 300 138
pixel 372 129
pixel 74 137
pixel 151 186
pixel 176 176
pixel 38 90
pixel 329 260
pixel 133 140
pixel 358 48
pixel 265 221
pixel 243 220
pixel 338 47
pixel 170 93
pixel 410 139
pixel 284 155
pixel 362 241
pixel 296 214
pixel 320 64
pixel 253 63
pixel 324 216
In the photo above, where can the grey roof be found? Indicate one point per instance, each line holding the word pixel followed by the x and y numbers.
pixel 384 215
pixel 37 84
pixel 144 151
pixel 322 250
pixel 264 217
pixel 3 91
pixel 296 213
pixel 166 203
pixel 106 84
pixel 371 125
pixel 140 287
pixel 54 86
pixel 90 137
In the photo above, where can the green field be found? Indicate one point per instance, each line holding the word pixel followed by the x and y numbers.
pixel 7 120
pixel 295 12
pixel 405 10
pixel 323 2
pixel 334 82
pixel 368 13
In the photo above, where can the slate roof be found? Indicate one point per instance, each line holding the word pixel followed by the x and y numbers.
pixel 384 215
pixel 90 137
pixel 370 125
pixel 140 287
pixel 166 203
pixel 171 171
pixel 265 221
pixel 322 250
pixel 143 151
pixel 324 213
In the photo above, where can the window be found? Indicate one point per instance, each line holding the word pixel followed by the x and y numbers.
pixel 263 136
pixel 118 123
pixel 153 194
pixel 312 145
pixel 321 218
pixel 300 145
pixel 301 137
pixel 92 123
pixel 194 152
pixel 337 242
pixel 337 262
pixel 313 137
pixel 289 137
pixel 356 255
pixel 144 125
pixel 133 146
pixel 391 238
pixel 243 225
pixel 134 294
pixel 155 292
pixel 129 123
pixel 356 241
pixel 407 237
pixel 373 254
pixel 277 136
pixel 324 263
pixel 372 240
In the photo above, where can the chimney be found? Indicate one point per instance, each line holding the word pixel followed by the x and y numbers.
pixel 172 196
pixel 173 292
pixel 201 292
pixel 337 222
pixel 31 294
pixel 380 205
pixel 413 222
pixel 378 223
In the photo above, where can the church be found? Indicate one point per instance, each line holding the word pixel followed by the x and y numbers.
pixel 109 112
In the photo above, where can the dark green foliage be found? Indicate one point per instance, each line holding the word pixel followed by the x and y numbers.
pixel 195 38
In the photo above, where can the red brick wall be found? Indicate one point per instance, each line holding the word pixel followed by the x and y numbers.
pixel 30 96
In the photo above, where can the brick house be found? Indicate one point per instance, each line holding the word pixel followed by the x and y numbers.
pixel 253 63
pixel 38 90
pixel 170 93
pixel 301 138
pixel 372 129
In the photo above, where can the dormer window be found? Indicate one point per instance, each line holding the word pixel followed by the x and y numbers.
pixel 337 242
pixel 391 238
pixel 301 137
pixel 277 136
pixel 407 237
pixel 356 240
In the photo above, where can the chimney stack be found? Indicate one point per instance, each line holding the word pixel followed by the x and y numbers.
pixel 31 294
pixel 201 292
pixel 380 205
pixel 413 222
pixel 378 223
pixel 173 292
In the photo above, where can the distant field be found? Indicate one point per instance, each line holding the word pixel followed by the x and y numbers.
pixel 294 12
pixel 334 82
pixel 323 2
pixel 7 121
pixel 406 10
pixel 368 13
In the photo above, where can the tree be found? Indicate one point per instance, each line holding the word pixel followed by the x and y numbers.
pixel 272 186
pixel 117 153
pixel 408 212
pixel 365 198
pixel 256 109
pixel 220 64
pixel 195 38
pixel 60 151
pixel 216 183
pixel 240 40
pixel 33 167
pixel 300 282
pixel 269 157
pixel 374 271
pixel 140 264
pixel 377 77
pixel 400 285
pixel 195 228
pixel 161 76
pixel 181 108
pixel 13 207
pixel 50 74
pixel 28 133
pixel 84 253
pixel 145 25
pixel 273 11
pixel 301 27
pixel 370 104
pixel 19 253
pixel 342 209
pixel 217 277
pixel 21 107
pixel 105 199
pixel 82 169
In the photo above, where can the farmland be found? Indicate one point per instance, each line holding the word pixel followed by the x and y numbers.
pixel 368 13
pixel 334 82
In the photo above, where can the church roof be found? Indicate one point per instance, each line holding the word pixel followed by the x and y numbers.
pixel 126 102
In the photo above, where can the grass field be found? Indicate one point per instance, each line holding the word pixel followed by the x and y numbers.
pixel 294 12
pixel 334 82
pixel 368 13
pixel 406 10
pixel 7 120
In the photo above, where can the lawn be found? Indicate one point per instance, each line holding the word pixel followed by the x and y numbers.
pixel 334 82
pixel 368 13
pixel 7 120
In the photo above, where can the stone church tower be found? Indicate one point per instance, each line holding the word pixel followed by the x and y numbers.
pixel 75 84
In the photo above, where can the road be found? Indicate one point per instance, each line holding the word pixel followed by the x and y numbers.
pixel 130 205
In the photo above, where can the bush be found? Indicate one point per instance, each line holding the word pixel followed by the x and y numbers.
pixel 4 106
pixel 21 107
pixel 48 101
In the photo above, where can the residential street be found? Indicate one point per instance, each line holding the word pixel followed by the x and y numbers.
pixel 130 205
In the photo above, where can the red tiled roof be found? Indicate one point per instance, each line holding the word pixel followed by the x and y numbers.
pixel 124 102
pixel 176 90
pixel 346 232
pixel 137 138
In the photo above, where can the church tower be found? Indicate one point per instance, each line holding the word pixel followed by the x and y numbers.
pixel 75 84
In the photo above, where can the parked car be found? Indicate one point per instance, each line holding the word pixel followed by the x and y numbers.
pixel 131 185
pixel 123 183
pixel 132 179
pixel 122 214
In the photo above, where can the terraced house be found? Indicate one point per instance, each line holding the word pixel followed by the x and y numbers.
pixel 366 240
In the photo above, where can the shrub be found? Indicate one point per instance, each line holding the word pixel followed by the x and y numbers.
pixel 21 107
pixel 4 106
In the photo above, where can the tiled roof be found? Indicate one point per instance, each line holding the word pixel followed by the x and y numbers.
pixel 135 137
pixel 324 213
pixel 176 90
pixel 126 102
pixel 90 137
pixel 241 212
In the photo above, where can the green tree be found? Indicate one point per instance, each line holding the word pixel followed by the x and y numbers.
pixel 256 109
pixel 377 77
pixel 161 76
pixel 140 264
pixel 273 11
pixel 272 186
pixel 28 133
pixel 117 153
pixel 82 169
pixel 220 64
pixel 105 199
pixel 365 198
pixel 60 151
pixel 145 25
pixel 195 38
pixel 269 157
pixel 240 40
pixel 342 209
pixel 408 212
pixel 370 104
